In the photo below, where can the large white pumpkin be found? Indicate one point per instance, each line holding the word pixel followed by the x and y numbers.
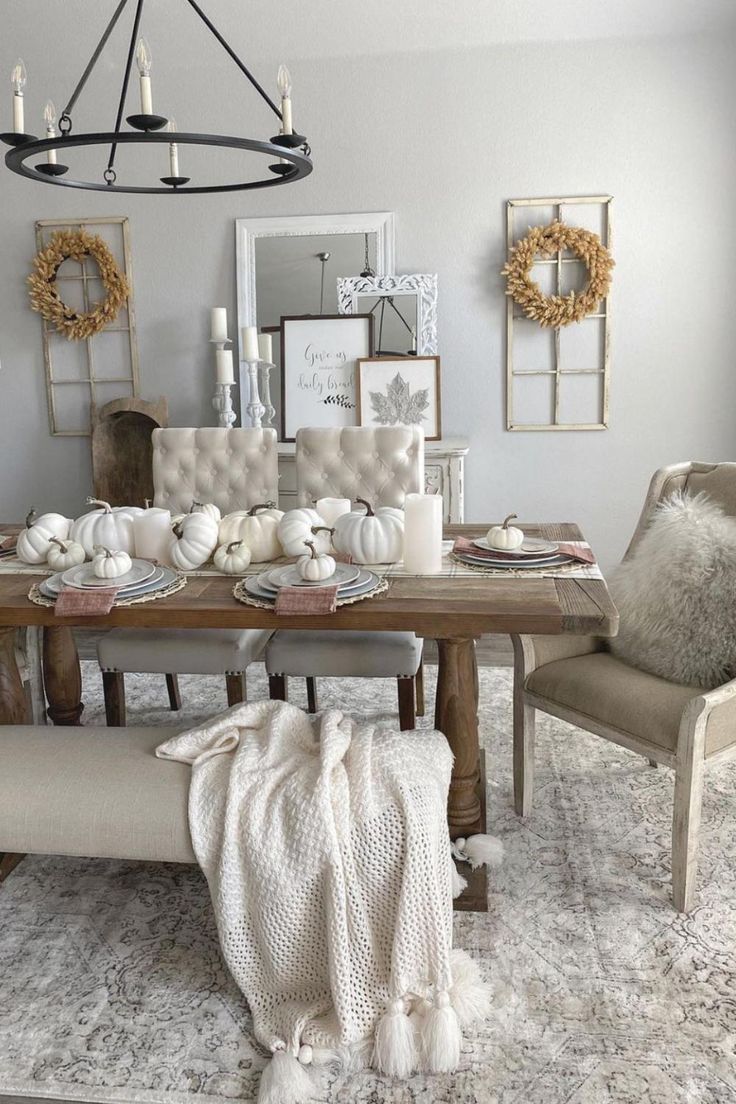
pixel 193 541
pixel 109 526
pixel 300 525
pixel 257 528
pixel 34 541
pixel 376 536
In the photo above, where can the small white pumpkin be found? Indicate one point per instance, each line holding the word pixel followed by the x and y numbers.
pixel 110 563
pixel 257 527
pixel 376 536
pixel 233 558
pixel 300 525
pixel 505 537
pixel 208 508
pixel 193 542
pixel 33 542
pixel 109 526
pixel 317 566
pixel 65 554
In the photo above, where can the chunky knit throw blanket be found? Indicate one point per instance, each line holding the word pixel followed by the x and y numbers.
pixel 326 850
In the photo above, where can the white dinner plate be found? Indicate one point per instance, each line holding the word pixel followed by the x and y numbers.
pixel 289 576
pixel 82 576
pixel 363 585
pixel 514 565
pixel 531 546
pixel 266 583
pixel 162 576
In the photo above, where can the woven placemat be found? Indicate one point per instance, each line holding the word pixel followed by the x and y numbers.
pixel 174 586
pixel 242 595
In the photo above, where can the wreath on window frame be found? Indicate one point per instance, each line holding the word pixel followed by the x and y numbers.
pixel 545 241
pixel 45 299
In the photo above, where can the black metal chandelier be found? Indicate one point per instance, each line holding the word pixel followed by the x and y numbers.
pixel 289 152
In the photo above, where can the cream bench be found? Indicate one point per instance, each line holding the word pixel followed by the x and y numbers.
pixel 96 792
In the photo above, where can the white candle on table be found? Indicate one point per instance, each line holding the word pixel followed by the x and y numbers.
pixel 250 344
pixel 143 57
pixel 265 348
pixel 152 533
pixel 18 81
pixel 225 372
pixel 330 509
pixel 218 324
pixel 283 80
pixel 423 534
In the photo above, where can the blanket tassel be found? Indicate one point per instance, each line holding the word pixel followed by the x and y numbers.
pixel 285 1080
pixel 480 850
pixel 470 996
pixel 458 882
pixel 394 1050
pixel 441 1036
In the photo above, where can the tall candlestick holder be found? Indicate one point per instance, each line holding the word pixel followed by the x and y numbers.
pixel 269 411
pixel 255 408
pixel 222 401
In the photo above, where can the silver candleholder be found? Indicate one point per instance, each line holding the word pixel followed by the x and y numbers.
pixel 255 408
pixel 222 401
pixel 269 410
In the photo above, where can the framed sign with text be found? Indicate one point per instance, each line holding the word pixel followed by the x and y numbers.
pixel 319 355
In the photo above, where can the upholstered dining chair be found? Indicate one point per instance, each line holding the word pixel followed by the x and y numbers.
pixel 234 469
pixel 578 680
pixel 381 465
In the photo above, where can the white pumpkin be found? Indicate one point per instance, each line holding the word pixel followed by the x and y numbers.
pixel 505 537
pixel 34 541
pixel 109 526
pixel 317 566
pixel 193 542
pixel 110 563
pixel 376 536
pixel 208 508
pixel 55 523
pixel 65 554
pixel 233 558
pixel 300 525
pixel 257 527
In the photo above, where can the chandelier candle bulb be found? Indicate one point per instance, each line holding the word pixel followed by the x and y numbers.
pixel 423 534
pixel 173 151
pixel 225 372
pixel 330 509
pixel 143 58
pixel 152 534
pixel 283 81
pixel 218 324
pixel 251 351
pixel 265 348
pixel 49 118
pixel 18 81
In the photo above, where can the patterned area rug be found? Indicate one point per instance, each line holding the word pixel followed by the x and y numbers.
pixel 112 987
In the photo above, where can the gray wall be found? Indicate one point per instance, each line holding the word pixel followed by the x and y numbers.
pixel 442 138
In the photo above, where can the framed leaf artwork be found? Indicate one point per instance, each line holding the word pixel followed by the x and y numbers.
pixel 400 391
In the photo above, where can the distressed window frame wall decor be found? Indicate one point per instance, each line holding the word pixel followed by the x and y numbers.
pixel 44 229
pixel 514 315
pixel 422 285
pixel 409 365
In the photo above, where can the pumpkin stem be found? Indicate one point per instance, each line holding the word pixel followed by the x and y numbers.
pixel 195 506
pixel 321 528
pixel 368 507
pixel 312 548
pixel 261 506
pixel 100 550
pixel 99 502
pixel 232 546
pixel 177 530
pixel 506 521
pixel 62 546
pixel 147 503
pixel 31 517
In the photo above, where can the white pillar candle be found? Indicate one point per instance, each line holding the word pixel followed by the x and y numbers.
pixel 218 324
pixel 330 509
pixel 265 348
pixel 152 534
pixel 225 372
pixel 423 534
pixel 250 344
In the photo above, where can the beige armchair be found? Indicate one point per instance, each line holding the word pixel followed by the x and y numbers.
pixel 578 680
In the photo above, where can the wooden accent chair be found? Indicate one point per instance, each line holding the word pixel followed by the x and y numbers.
pixel 234 469
pixel 578 680
pixel 381 465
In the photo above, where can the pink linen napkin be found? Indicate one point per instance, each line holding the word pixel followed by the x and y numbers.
pixel 578 551
pixel 309 600
pixel 94 602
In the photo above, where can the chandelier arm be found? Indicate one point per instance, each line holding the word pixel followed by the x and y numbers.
pixel 126 79
pixel 243 68
pixel 93 60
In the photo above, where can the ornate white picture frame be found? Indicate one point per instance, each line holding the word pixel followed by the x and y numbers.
pixel 423 285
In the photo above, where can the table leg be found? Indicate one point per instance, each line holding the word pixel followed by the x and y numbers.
pixel 13 701
pixel 456 715
pixel 62 675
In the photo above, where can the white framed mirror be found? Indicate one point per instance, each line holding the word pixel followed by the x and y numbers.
pixel 404 309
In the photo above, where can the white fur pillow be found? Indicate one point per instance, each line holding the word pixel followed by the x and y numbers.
pixel 676 595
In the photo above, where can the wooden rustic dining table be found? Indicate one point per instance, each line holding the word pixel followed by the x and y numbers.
pixel 452 611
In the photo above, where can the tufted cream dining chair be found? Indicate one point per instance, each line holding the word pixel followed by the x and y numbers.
pixel 578 680
pixel 234 469
pixel 381 465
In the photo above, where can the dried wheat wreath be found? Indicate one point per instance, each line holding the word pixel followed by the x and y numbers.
pixel 75 245
pixel 558 310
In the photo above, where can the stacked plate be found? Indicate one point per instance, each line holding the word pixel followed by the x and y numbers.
pixel 143 578
pixel 352 582
pixel 533 553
